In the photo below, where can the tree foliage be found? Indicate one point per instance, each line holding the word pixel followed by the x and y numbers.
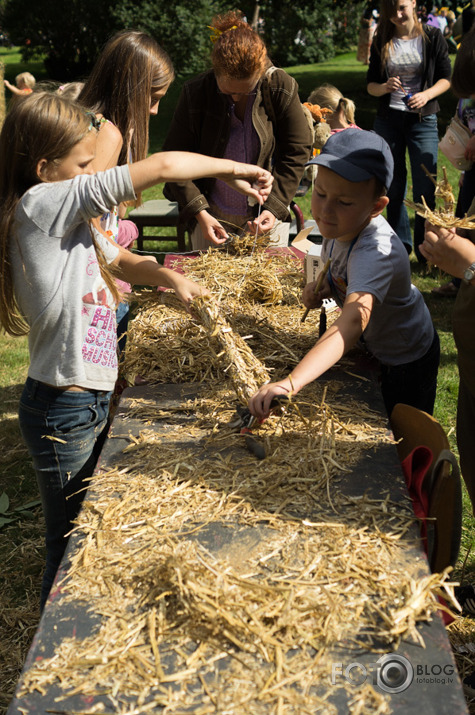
pixel 71 35
pixel 67 35
pixel 181 28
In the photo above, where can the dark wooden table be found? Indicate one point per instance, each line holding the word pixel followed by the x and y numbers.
pixel 435 687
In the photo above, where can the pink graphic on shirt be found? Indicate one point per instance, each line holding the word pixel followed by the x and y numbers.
pixel 99 298
pixel 100 343
pixel 100 340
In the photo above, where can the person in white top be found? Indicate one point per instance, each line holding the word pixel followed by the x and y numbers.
pixel 409 68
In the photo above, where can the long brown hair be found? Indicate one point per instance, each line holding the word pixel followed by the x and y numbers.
pixel 238 51
pixel 129 70
pixel 47 126
pixel 386 30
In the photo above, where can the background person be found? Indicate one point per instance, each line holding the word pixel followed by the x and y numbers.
pixel 24 84
pixel 130 77
pixel 327 96
pixel 463 86
pixel 243 107
pixel 409 68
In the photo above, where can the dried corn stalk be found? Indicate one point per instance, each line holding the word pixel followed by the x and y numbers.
pixel 443 217
pixel 245 370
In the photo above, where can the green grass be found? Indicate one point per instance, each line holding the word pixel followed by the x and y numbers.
pixel 21 548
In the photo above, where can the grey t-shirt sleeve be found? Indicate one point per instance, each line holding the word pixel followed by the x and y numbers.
pixel 58 207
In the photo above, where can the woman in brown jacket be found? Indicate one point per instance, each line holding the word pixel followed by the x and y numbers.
pixel 242 107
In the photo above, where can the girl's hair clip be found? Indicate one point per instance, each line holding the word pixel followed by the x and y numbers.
pixel 217 33
pixel 95 122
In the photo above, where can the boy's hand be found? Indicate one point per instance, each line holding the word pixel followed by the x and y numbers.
pixel 259 403
pixel 310 299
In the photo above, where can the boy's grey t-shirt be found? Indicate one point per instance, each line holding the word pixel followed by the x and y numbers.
pixel 57 281
pixel 400 329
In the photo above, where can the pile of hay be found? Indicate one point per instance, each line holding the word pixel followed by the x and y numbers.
pixel 225 589
pixel 225 583
pixel 258 296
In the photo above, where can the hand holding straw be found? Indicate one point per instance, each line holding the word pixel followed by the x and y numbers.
pixel 318 285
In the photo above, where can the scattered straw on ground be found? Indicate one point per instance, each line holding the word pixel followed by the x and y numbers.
pixel 227 584
pixel 215 595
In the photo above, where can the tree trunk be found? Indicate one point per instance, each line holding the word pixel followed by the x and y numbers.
pixel 255 17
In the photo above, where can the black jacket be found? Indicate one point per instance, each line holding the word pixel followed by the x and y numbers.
pixel 436 65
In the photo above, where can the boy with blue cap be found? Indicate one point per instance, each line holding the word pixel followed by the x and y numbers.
pixel 369 278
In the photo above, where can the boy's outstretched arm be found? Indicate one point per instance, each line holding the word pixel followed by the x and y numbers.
pixel 334 343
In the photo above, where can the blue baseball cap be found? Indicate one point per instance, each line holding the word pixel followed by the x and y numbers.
pixel 357 155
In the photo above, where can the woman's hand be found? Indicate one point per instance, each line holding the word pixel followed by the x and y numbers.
pixel 211 228
pixel 263 223
pixel 250 180
pixel 393 84
pixel 259 403
pixel 418 100
pixel 310 299
pixel 445 249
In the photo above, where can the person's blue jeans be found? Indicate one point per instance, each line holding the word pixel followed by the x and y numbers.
pixel 122 318
pixel 419 135
pixel 64 431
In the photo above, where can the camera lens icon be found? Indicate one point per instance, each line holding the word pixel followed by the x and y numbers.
pixel 394 674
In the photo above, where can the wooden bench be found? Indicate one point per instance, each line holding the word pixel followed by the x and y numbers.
pixel 159 212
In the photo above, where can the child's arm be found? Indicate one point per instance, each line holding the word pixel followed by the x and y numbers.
pixel 334 343
pixel 144 270
pixel 108 147
pixel 180 166
pixel 12 88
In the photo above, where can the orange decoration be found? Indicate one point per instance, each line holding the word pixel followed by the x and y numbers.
pixel 318 113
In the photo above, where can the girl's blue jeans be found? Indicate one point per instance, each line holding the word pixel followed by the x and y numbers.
pixel 419 135
pixel 64 431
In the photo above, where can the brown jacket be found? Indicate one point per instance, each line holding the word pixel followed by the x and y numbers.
pixel 201 123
